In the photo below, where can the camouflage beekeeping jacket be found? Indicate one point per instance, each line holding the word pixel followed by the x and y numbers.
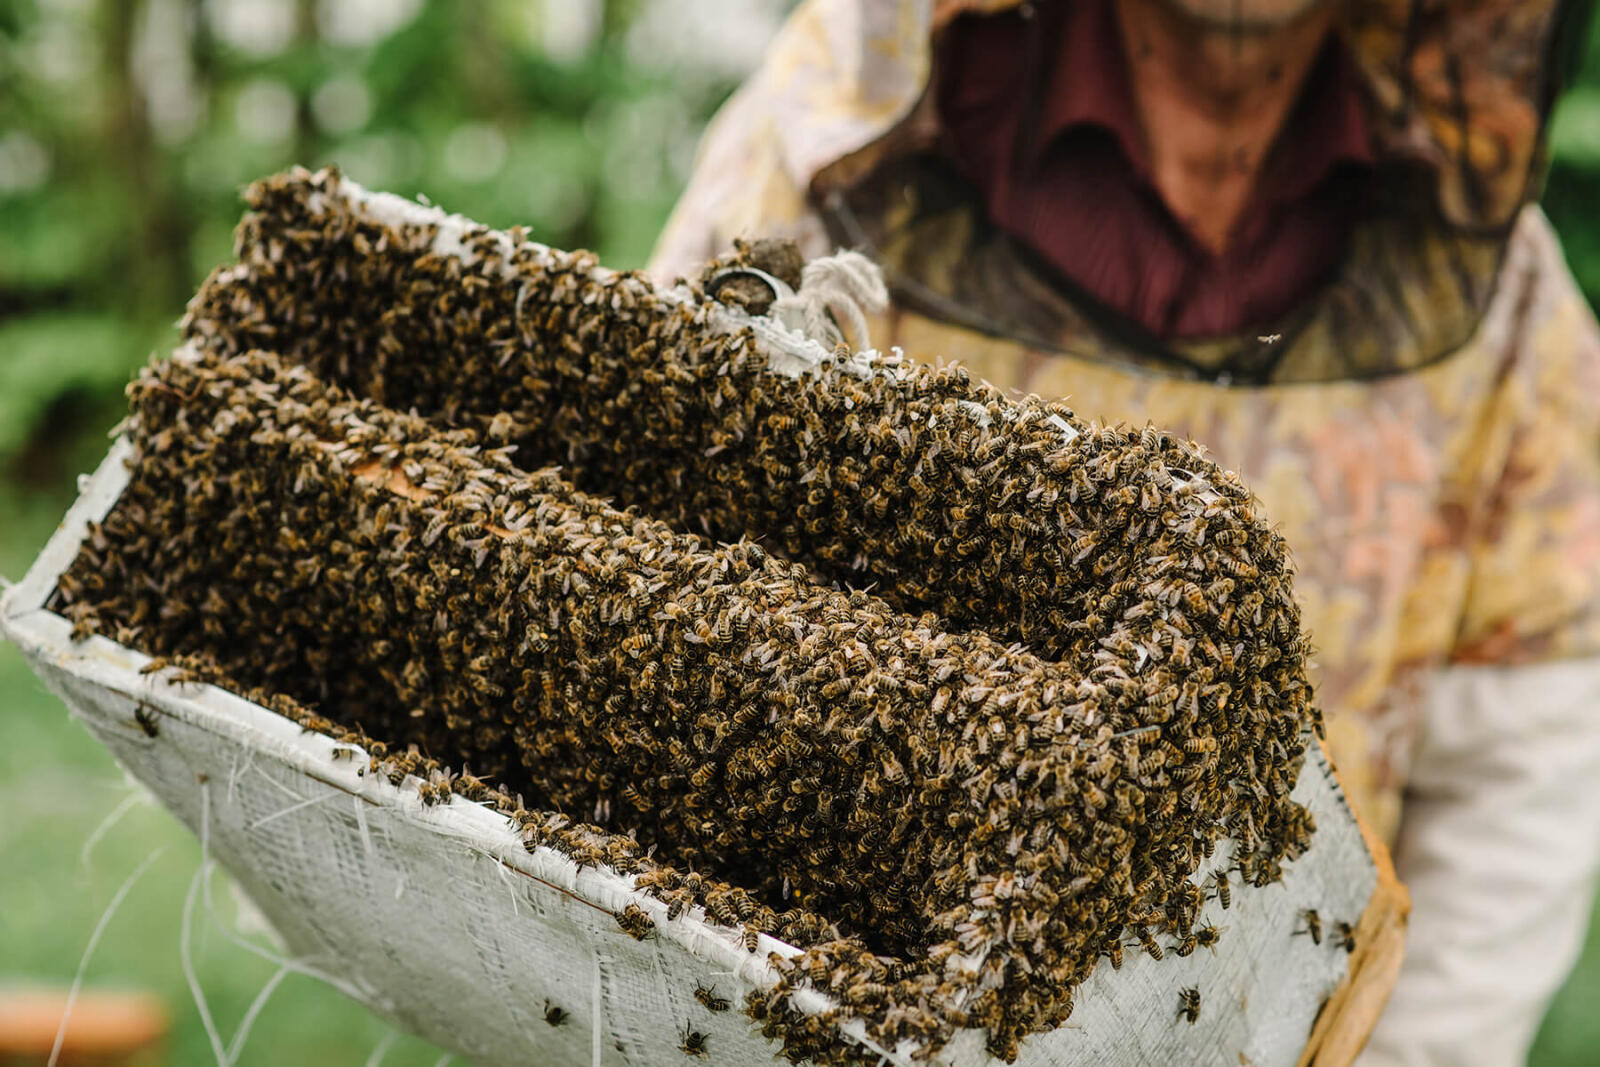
pixel 1425 430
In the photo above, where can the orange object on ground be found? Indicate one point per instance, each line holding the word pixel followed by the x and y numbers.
pixel 105 1028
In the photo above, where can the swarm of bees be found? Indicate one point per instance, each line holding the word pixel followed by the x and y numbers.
pixel 955 693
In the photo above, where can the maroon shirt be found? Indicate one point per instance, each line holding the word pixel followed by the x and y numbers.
pixel 1078 191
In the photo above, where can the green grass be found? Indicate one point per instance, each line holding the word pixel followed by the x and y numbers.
pixel 57 785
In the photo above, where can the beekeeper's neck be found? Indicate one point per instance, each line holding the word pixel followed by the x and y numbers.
pixel 1213 81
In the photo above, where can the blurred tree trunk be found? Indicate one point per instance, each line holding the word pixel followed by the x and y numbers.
pixel 484 62
pixel 202 54
pixel 584 231
pixel 157 255
pixel 127 136
pixel 306 40
pixel 615 18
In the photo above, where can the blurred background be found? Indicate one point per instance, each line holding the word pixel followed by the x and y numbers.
pixel 127 128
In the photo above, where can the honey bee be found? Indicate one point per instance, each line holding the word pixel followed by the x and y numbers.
pixel 694 1042
pixel 555 1015
pixel 635 922
pixel 1346 936
pixel 1189 1005
pixel 1147 939
pixel 721 910
pixel 146 718
pixel 1313 923
pixel 1224 891
pixel 709 999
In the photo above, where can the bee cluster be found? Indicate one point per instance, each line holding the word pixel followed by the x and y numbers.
pixel 955 693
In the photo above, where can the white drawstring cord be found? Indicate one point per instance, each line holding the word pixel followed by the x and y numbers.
pixel 848 284
pixel 837 290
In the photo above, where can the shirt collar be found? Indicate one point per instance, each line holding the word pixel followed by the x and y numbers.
pixel 1088 84
pixel 1327 127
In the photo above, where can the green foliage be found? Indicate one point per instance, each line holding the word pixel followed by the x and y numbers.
pixel 128 127
pixel 1573 188
pixel 54 353
pixel 1570 1036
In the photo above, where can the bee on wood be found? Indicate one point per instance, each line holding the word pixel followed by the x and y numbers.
pixel 147 719
pixel 709 998
pixel 1189 1005
pixel 721 909
pixel 555 1015
pixel 1345 936
pixel 694 1042
pixel 636 923
pixel 1224 890
pixel 1148 940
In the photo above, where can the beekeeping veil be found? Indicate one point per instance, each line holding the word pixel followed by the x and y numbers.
pixel 1458 94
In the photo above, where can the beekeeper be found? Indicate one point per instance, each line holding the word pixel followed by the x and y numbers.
pixel 1303 235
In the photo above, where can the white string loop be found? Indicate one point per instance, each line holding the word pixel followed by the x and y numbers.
pixel 847 284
